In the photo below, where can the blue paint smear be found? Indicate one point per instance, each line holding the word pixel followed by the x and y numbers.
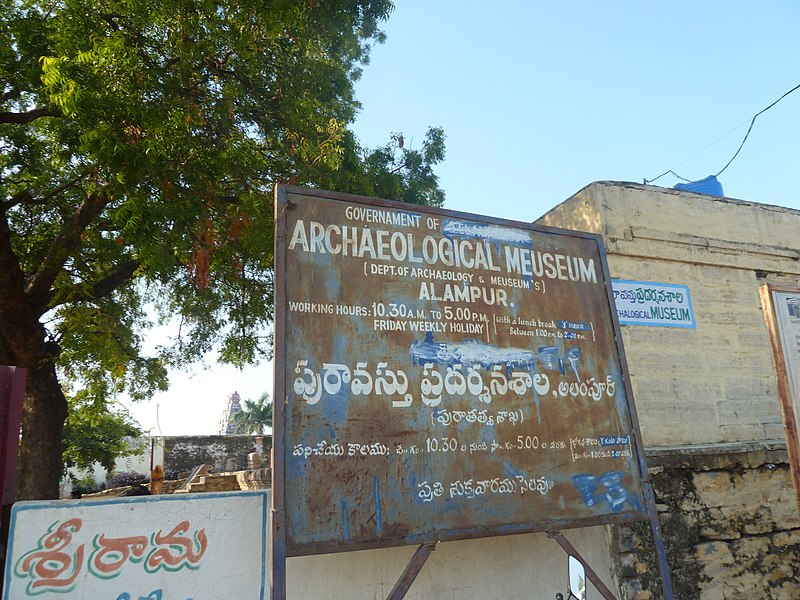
pixel 551 358
pixel 154 595
pixel 331 285
pixel 621 396
pixel 470 352
pixel 538 402
pixel 605 491
pixel 511 470
pixel 378 511
pixel 518 305
pixel 332 407
pixel 573 355
pixel 465 230
pixel 345 521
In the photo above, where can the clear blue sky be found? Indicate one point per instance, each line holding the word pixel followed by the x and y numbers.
pixel 539 99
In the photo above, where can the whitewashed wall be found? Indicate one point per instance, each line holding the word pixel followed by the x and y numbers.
pixel 516 567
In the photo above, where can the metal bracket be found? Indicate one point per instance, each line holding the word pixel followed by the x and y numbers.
pixel 411 571
pixel 590 574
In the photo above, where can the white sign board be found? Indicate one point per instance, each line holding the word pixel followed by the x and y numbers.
pixel 176 547
pixel 787 311
pixel 653 304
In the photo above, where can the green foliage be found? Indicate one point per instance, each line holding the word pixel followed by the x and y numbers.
pixel 177 118
pixel 139 146
pixel 93 433
pixel 392 172
pixel 255 416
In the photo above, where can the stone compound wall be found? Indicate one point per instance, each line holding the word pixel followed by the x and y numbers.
pixel 731 525
pixel 223 452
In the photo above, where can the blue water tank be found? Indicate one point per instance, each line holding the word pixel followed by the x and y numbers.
pixel 709 186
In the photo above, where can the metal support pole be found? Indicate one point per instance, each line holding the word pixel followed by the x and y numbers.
pixel 592 576
pixel 277 559
pixel 658 538
pixel 411 571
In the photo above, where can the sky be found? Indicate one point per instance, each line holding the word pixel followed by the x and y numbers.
pixel 539 99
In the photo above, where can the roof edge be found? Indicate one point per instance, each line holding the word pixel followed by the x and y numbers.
pixel 680 193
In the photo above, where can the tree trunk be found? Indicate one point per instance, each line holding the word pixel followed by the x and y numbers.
pixel 43 414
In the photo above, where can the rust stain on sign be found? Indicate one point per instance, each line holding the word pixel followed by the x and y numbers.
pixel 444 376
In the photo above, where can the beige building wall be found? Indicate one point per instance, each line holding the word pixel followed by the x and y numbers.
pixel 500 568
pixel 715 383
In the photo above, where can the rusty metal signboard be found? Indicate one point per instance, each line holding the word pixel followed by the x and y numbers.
pixel 441 376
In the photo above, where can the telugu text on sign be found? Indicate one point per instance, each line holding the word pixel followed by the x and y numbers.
pixel 445 375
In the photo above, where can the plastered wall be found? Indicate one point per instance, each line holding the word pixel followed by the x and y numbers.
pixel 706 397
pixel 516 567
pixel 715 383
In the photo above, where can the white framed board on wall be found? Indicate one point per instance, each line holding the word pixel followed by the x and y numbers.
pixel 782 314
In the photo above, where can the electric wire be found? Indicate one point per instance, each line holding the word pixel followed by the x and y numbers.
pixel 749 129
pixel 746 135
pixel 667 172
pixel 707 146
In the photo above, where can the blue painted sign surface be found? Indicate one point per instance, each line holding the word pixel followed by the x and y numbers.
pixel 442 376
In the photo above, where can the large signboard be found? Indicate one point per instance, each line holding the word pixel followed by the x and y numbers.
pixel 441 376
pixel 142 548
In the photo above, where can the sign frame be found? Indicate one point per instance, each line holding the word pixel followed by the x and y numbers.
pixel 84 548
pixel 282 548
pixel 788 385
pixel 654 301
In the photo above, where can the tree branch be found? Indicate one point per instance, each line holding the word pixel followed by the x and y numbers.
pixel 116 278
pixel 399 167
pixel 11 94
pixel 61 249
pixel 25 197
pixel 28 117
pixel 121 275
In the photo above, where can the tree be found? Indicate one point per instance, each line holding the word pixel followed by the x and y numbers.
pixel 392 172
pixel 139 145
pixel 95 434
pixel 255 416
